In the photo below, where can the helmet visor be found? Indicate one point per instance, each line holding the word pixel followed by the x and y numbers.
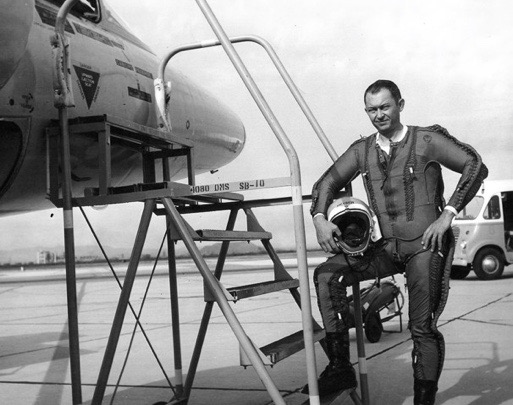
pixel 354 228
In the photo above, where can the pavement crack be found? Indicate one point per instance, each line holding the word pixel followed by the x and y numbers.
pixel 476 309
pixel 487 322
pixel 460 317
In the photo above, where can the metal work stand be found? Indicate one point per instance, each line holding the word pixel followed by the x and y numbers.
pixel 168 195
pixel 153 147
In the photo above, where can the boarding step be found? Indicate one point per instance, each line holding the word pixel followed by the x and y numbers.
pixel 212 235
pixel 217 235
pixel 281 349
pixel 127 130
pixel 253 290
pixel 173 187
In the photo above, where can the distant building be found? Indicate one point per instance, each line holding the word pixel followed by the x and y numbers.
pixel 45 257
pixel 87 258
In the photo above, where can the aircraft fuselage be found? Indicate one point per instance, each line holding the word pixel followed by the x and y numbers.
pixel 112 73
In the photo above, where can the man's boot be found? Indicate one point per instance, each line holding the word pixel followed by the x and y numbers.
pixel 424 392
pixel 339 374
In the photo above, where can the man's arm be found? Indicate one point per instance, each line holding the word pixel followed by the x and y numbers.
pixel 435 232
pixel 332 181
pixel 463 159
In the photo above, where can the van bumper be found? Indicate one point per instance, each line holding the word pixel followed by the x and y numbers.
pixel 459 261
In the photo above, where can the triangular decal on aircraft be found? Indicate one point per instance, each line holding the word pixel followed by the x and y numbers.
pixel 88 81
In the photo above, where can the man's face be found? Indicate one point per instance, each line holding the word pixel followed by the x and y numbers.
pixel 383 111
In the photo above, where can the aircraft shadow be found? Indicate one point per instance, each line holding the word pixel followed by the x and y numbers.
pixel 34 348
pixel 390 382
pixel 490 383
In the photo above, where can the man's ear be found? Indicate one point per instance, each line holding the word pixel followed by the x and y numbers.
pixel 401 104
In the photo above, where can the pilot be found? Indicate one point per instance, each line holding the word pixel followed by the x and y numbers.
pixel 401 171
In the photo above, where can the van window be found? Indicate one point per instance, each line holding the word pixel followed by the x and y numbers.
pixel 492 210
pixel 471 211
pixel 507 208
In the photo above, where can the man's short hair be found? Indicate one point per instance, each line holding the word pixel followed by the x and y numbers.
pixel 384 84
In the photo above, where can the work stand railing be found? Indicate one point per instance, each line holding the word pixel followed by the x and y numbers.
pixel 227 44
pixel 165 195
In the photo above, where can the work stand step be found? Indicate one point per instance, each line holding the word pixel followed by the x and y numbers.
pixel 216 235
pixel 127 130
pixel 212 235
pixel 252 290
pixel 283 348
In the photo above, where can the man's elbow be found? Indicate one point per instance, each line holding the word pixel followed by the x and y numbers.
pixel 484 171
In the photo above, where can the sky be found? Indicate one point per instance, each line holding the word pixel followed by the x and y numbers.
pixel 451 59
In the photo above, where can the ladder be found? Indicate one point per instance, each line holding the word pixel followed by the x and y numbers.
pixel 282 280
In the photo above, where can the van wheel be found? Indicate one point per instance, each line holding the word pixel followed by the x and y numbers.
pixel 459 272
pixel 488 264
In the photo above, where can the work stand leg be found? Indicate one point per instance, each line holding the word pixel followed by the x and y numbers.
pixel 71 291
pixel 175 312
pixel 124 298
pixel 362 361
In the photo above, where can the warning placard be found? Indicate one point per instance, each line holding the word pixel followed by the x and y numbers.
pixel 88 83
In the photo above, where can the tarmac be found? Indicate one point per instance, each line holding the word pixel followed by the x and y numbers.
pixel 34 362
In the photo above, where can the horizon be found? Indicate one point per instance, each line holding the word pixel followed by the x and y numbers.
pixel 93 254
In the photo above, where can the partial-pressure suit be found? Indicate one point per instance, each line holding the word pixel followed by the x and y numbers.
pixel 405 191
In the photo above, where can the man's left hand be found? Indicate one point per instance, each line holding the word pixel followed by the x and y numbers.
pixel 432 238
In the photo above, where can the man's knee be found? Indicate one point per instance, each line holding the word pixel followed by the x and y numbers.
pixel 326 272
pixel 318 273
pixel 421 330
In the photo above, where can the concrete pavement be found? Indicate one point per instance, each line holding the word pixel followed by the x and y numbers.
pixel 34 363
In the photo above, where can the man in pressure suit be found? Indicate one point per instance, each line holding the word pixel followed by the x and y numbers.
pixel 401 170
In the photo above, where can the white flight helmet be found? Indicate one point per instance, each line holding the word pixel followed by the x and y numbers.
pixel 354 219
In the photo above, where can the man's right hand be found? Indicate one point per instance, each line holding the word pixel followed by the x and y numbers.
pixel 325 231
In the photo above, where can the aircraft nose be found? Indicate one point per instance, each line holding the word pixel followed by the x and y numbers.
pixel 15 23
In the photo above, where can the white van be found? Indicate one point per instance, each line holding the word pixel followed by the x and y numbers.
pixel 484 232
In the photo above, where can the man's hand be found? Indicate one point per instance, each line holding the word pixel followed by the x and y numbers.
pixel 325 231
pixel 434 234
